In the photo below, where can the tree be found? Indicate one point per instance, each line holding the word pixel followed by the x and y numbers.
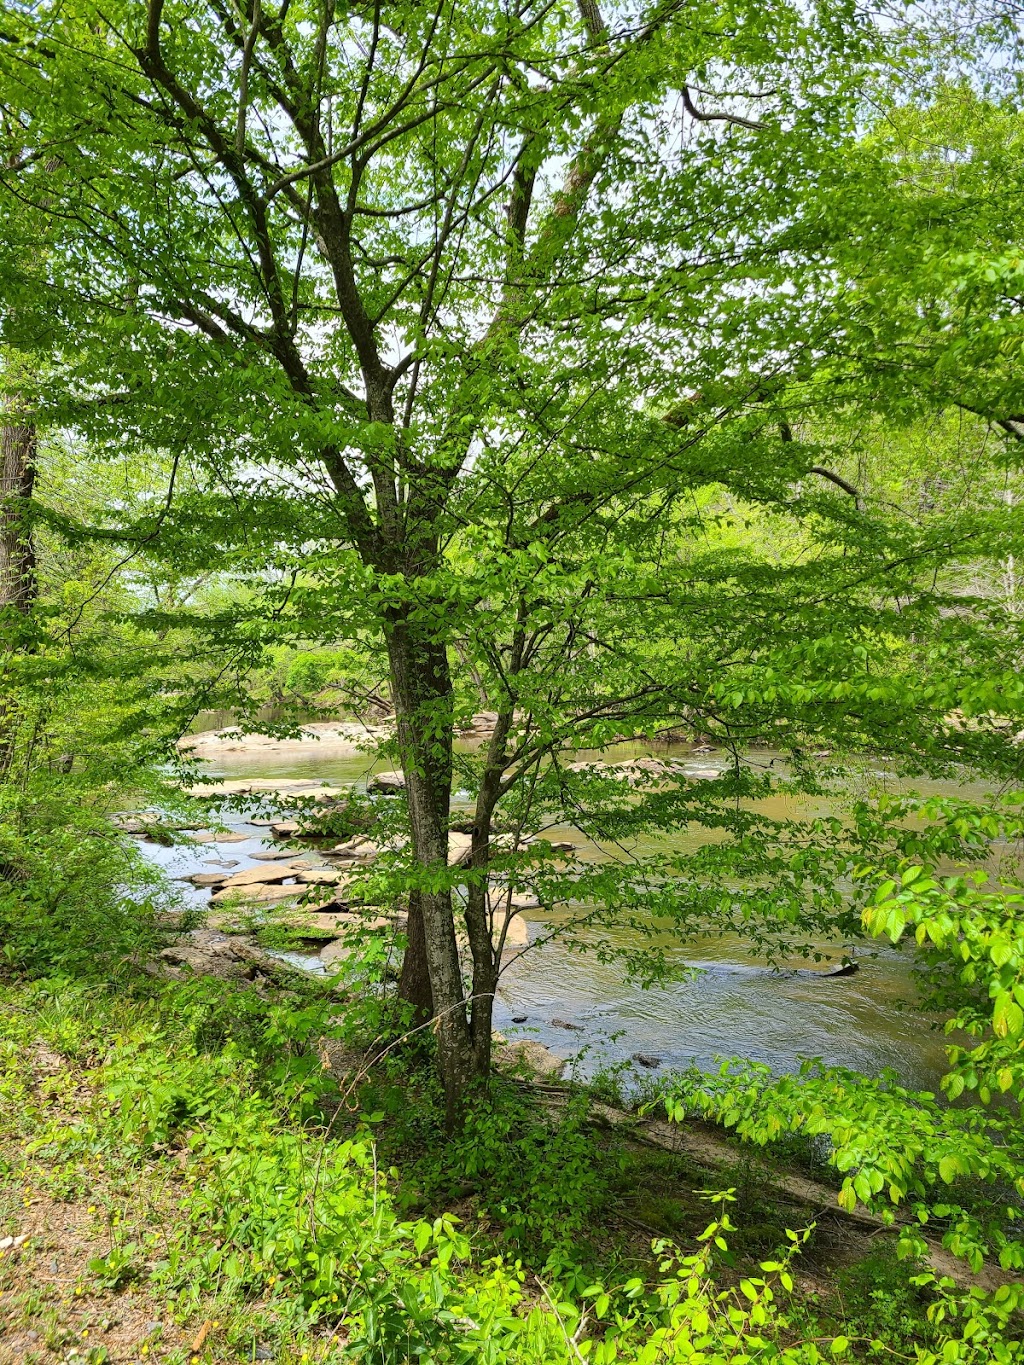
pixel 17 477
pixel 441 318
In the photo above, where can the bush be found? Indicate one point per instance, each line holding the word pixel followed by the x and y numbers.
pixel 75 895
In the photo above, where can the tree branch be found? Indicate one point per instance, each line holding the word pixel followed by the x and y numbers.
pixel 702 117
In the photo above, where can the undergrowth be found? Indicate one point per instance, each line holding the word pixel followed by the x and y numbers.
pixel 273 1199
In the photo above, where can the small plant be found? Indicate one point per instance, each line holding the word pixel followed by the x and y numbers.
pixel 117 1268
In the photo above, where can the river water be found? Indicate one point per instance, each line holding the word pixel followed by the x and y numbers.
pixel 731 1006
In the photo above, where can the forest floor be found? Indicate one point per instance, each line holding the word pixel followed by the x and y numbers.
pixel 108 1261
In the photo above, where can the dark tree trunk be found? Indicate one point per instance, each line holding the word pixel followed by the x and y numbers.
pixel 414 984
pixel 17 479
pixel 17 559
pixel 422 689
pixel 486 953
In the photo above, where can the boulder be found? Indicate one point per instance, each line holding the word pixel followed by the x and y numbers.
pixel 335 951
pixel 530 1056
pixel 459 847
pixel 388 783
pixel 203 878
pixel 206 952
pixel 517 935
pixel 341 948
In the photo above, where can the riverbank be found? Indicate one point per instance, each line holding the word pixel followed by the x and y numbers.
pixel 337 739
pixel 159 1205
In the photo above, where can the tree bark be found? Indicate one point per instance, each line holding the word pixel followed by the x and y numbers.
pixel 422 688
pixel 17 558
pixel 17 480
pixel 414 983
pixel 486 956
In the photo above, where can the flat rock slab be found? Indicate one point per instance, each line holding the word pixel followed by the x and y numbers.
pixel 203 878
pixel 498 898
pixel 359 847
pixel 317 791
pixel 208 836
pixel 261 894
pixel 272 855
pixel 322 923
pixel 254 876
pixel 517 935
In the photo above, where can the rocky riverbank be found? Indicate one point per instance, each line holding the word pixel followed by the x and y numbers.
pixel 334 739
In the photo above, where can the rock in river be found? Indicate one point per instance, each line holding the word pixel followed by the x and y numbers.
pixel 529 1056
pixel 260 894
pixel 386 783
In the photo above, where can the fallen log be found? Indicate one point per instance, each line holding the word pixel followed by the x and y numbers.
pixel 716 1153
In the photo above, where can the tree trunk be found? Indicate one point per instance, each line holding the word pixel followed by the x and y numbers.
pixel 17 479
pixel 424 712
pixel 17 560
pixel 414 984
pixel 486 955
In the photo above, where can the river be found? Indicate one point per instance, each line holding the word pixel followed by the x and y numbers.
pixel 731 1006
